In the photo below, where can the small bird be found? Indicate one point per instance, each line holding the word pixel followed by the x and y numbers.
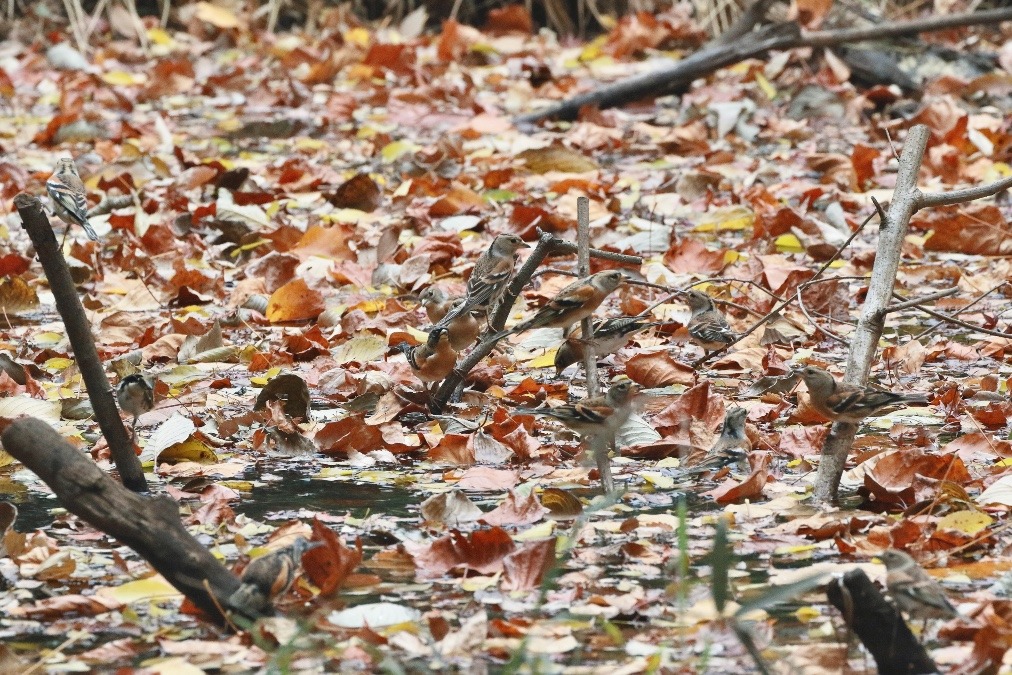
pixel 69 197
pixel 732 447
pixel 267 577
pixel 848 403
pixel 490 276
pixel 707 326
pixel 595 416
pixel 597 420
pixel 464 328
pixel 575 302
pixel 610 335
pixel 913 590
pixel 434 359
pixel 136 396
pixel 436 303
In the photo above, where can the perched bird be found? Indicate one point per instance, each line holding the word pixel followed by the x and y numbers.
pixel 490 276
pixel 707 326
pixel 434 359
pixel 436 303
pixel 575 302
pixel 848 403
pixel 464 328
pixel 733 446
pixel 70 201
pixel 267 577
pixel 913 590
pixel 610 335
pixel 136 396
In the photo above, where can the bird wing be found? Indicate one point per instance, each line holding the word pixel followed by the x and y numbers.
pixel 73 201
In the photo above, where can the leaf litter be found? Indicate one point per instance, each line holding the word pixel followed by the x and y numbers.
pixel 286 203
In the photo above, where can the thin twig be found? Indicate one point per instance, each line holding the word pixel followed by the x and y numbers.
pixel 959 196
pixel 819 327
pixel 956 322
pixel 587 325
pixel 930 329
pixel 569 247
pixel 916 302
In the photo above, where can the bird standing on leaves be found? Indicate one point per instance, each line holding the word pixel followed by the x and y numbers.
pixel 609 336
pixel 597 420
pixel 490 277
pixel 136 396
pixel 913 590
pixel 849 403
pixel 463 329
pixel 732 447
pixel 267 577
pixel 69 197
pixel 707 326
pixel 574 303
pixel 595 416
pixel 434 359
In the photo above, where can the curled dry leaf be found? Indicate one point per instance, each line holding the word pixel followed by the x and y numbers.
pixel 452 509
pixel 525 568
pixel 329 565
pixel 482 551
pixel 515 510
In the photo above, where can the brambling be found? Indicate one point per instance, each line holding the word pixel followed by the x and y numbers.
pixel 732 447
pixel 136 396
pixel 575 302
pixel 434 359
pixel 707 326
pixel 464 328
pixel 490 276
pixel 70 201
pixel 848 403
pixel 913 590
pixel 268 576
pixel 595 416
pixel 610 336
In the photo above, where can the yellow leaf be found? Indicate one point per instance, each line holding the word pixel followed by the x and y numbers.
pixel 788 243
pixel 262 380
pixel 151 588
pixel 807 613
pixel 57 363
pixel 767 88
pixel 190 450
pixel 658 479
pixel 160 37
pixel 967 522
pixel 730 218
pixel 546 360
pixel 123 79
pixel 391 152
pixel 357 36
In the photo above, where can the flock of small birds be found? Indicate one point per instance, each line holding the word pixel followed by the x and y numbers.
pixel 457 325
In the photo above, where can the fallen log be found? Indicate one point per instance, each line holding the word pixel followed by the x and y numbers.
pixel 719 54
pixel 149 525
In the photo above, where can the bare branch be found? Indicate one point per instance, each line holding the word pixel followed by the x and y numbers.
pixel 961 196
pixel 917 302
pixel 587 325
pixel 880 289
pixel 948 318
